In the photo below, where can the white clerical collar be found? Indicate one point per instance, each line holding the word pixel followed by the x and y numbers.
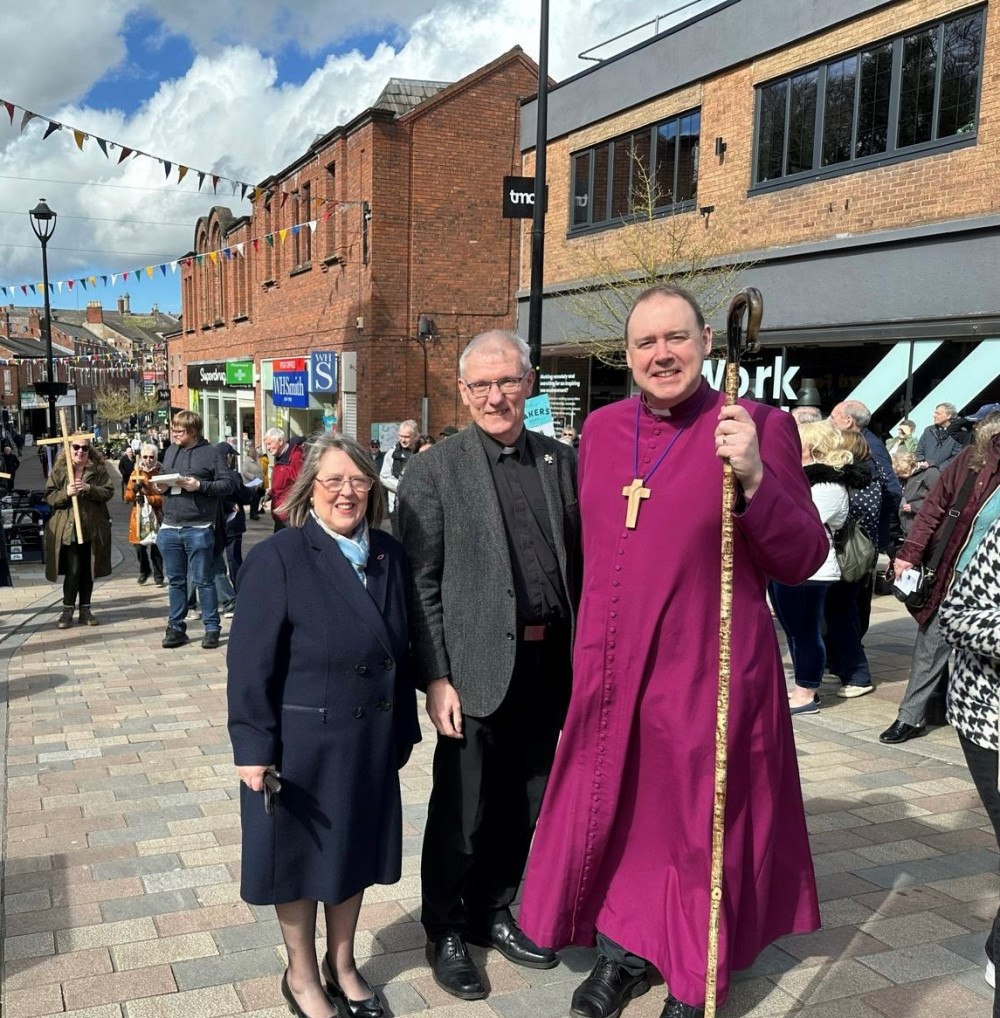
pixel 655 411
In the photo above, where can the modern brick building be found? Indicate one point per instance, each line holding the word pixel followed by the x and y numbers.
pixel 845 151
pixel 407 259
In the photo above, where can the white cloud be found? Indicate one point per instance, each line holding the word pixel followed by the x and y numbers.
pixel 229 112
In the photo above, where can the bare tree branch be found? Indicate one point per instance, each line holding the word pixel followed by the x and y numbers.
pixel 651 247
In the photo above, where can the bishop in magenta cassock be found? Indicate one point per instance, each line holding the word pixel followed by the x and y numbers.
pixel 622 852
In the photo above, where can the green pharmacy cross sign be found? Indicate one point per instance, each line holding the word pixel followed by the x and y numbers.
pixel 239 372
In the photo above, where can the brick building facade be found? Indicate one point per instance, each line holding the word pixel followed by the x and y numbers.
pixel 844 153
pixel 411 227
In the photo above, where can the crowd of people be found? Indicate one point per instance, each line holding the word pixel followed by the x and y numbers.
pixel 528 589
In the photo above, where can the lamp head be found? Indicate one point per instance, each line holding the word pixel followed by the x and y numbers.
pixel 43 220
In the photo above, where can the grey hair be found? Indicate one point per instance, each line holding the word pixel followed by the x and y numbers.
pixel 274 433
pixel 858 412
pixel 495 338
pixel 297 506
pixel 807 415
pixel 949 408
pixel 149 447
pixel 412 425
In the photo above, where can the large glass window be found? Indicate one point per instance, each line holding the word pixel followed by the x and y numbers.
pixel 918 89
pixel 615 179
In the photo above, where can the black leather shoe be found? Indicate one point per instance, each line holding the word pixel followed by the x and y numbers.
pixel 452 968
pixel 514 944
pixel 370 1007
pixel 211 639
pixel 675 1009
pixel 606 991
pixel 900 731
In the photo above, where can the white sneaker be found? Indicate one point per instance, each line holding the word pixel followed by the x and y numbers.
pixel 990 975
pixel 229 614
pixel 849 692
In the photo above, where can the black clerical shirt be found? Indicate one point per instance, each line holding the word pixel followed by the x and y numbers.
pixel 538 584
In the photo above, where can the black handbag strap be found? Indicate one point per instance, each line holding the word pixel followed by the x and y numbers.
pixel 941 540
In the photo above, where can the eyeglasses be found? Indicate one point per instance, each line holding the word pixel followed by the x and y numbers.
pixel 359 485
pixel 80 448
pixel 176 430
pixel 509 386
pixel 149 457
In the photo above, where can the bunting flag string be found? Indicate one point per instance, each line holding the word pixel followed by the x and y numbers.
pixel 106 145
pixel 234 251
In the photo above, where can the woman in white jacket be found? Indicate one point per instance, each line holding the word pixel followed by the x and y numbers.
pixel 800 608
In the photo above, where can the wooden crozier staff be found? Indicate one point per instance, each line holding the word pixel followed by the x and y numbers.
pixel 65 440
pixel 750 301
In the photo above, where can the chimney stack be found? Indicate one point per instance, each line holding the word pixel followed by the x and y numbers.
pixel 95 313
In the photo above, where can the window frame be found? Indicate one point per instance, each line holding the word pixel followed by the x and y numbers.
pixel 894 153
pixel 589 153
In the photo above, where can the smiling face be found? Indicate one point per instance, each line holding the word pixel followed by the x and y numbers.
pixel 499 414
pixel 79 454
pixel 666 349
pixel 339 505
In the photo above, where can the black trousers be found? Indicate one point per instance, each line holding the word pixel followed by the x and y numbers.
pixel 147 554
pixel 75 563
pixel 982 765
pixel 488 790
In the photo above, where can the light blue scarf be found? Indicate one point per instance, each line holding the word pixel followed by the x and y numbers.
pixel 354 548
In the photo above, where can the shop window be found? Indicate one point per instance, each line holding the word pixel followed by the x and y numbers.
pixel 892 100
pixel 613 181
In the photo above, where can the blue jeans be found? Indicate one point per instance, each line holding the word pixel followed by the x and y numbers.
pixel 190 550
pixel 800 612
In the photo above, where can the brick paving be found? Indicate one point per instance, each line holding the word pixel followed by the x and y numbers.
pixel 121 845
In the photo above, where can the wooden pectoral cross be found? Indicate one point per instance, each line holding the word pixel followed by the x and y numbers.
pixel 66 440
pixel 634 492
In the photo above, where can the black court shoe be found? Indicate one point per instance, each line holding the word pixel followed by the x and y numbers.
pixel 371 1007
pixel 293 1004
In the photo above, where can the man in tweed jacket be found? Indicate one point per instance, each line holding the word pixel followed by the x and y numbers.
pixel 490 522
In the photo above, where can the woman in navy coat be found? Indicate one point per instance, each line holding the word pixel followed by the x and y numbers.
pixel 320 691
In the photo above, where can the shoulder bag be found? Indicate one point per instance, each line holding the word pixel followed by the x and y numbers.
pixel 927 570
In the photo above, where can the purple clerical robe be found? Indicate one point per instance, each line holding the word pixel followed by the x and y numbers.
pixel 623 844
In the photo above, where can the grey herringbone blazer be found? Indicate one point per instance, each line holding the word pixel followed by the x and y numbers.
pixel 463 621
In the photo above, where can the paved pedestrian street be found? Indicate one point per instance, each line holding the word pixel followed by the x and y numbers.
pixel 121 845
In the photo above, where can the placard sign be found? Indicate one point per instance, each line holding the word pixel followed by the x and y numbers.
pixel 519 197
pixel 538 415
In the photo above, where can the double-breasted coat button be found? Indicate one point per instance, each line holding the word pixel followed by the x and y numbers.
pixel 358 712
pixel 385 705
pixel 361 669
pixel 510 636
pixel 387 664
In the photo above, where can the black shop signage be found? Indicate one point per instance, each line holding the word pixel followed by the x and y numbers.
pixel 519 197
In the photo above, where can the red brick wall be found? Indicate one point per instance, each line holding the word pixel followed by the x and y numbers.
pixel 437 245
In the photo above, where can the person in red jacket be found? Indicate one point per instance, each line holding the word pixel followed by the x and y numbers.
pixel 930 650
pixel 286 462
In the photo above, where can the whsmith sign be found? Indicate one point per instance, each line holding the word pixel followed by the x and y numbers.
pixel 221 375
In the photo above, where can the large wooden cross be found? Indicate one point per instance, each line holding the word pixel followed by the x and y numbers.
pixel 66 440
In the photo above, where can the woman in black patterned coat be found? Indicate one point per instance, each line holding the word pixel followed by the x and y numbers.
pixel 970 620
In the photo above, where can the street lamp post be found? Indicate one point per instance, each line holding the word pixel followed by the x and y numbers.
pixel 43 222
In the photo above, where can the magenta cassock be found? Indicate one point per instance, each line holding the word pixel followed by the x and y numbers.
pixel 623 844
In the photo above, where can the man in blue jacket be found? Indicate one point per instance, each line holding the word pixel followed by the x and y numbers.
pixel 187 537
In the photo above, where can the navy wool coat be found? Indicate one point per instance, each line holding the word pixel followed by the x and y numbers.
pixel 320 686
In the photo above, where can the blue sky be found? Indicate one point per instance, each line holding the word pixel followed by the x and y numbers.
pixel 238 87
